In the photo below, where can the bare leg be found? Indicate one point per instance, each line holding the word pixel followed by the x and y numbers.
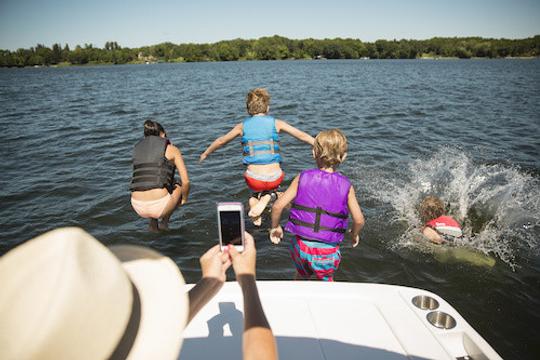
pixel 153 225
pixel 258 208
pixel 171 206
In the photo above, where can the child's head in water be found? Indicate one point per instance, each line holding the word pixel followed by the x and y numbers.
pixel 330 148
pixel 258 101
pixel 431 208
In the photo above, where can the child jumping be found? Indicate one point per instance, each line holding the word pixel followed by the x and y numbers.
pixel 322 201
pixel 261 150
pixel 438 227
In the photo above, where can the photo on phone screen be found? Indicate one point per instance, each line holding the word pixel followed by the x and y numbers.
pixel 230 225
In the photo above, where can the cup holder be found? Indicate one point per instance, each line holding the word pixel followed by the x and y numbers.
pixel 425 302
pixel 441 320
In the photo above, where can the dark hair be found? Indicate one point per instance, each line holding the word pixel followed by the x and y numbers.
pixel 153 128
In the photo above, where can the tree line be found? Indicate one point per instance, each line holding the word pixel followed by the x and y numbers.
pixel 273 48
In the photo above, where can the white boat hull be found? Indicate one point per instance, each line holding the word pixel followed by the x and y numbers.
pixel 321 320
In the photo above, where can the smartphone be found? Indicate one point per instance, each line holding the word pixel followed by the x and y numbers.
pixel 231 224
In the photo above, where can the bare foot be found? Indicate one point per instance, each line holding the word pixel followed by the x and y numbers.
pixel 258 209
pixel 257 221
pixel 153 225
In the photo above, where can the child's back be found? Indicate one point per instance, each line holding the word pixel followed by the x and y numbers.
pixel 319 211
pixel 322 201
pixel 261 150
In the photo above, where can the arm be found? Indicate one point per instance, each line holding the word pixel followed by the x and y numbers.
pixel 276 233
pixel 258 339
pixel 182 171
pixel 222 140
pixel 214 263
pixel 291 130
pixel 357 216
pixel 432 235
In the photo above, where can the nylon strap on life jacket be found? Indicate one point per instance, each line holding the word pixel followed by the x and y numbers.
pixel 317 225
pixel 151 169
pixel 252 143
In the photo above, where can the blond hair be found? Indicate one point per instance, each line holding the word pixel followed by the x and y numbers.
pixel 257 101
pixel 330 148
pixel 431 208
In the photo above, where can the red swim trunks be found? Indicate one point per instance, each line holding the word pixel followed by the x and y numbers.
pixel 258 183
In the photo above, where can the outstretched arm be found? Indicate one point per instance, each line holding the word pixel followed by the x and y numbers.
pixel 276 233
pixel 222 140
pixel 291 130
pixel 259 341
pixel 357 216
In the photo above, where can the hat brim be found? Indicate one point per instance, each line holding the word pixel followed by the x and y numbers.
pixel 164 303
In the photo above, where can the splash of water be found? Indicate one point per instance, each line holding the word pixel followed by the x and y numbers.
pixel 498 205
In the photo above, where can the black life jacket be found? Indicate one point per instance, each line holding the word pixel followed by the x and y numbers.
pixel 151 169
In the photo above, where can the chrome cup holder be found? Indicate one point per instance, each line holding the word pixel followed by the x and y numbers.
pixel 441 320
pixel 425 302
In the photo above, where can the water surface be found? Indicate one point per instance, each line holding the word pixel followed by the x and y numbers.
pixel 468 131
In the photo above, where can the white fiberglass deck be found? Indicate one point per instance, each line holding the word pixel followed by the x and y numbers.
pixel 318 320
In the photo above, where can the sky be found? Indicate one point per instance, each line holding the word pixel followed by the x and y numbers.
pixel 25 23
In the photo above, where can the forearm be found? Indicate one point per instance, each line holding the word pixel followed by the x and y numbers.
pixel 201 293
pixel 308 139
pixel 276 214
pixel 253 311
pixel 259 341
pixel 356 229
pixel 185 190
pixel 213 146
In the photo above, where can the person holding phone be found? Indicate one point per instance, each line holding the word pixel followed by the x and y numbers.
pixel 258 339
pixel 119 302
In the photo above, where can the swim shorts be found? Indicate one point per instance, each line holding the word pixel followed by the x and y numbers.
pixel 315 258
pixel 258 183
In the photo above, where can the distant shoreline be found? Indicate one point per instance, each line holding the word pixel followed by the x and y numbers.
pixel 275 48
pixel 65 65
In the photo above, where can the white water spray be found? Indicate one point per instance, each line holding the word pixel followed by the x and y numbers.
pixel 498 205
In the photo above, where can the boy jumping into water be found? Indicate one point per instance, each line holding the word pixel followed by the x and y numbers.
pixel 438 227
pixel 261 150
pixel 322 201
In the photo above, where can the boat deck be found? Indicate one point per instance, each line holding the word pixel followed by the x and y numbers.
pixel 318 320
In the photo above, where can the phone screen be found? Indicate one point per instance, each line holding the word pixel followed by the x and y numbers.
pixel 230 228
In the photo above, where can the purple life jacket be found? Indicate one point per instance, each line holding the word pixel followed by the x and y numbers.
pixel 319 211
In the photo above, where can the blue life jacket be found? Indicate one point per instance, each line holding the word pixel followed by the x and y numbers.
pixel 260 140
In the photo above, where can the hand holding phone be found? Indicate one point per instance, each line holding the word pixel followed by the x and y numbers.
pixel 231 225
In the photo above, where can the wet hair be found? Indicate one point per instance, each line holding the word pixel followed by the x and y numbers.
pixel 257 101
pixel 153 128
pixel 431 208
pixel 330 148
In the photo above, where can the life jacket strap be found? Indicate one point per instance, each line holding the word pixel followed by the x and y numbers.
pixel 319 210
pixel 315 227
pixel 252 143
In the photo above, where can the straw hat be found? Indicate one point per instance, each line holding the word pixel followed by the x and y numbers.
pixel 63 295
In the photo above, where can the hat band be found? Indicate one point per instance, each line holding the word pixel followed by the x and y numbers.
pixel 132 328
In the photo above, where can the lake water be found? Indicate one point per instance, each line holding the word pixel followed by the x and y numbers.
pixel 466 130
